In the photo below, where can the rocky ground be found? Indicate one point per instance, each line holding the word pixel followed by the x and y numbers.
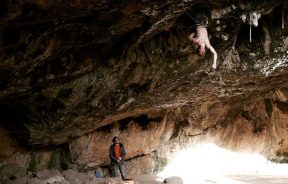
pixel 73 75
pixel 13 174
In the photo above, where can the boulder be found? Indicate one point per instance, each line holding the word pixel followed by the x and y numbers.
pixel 173 180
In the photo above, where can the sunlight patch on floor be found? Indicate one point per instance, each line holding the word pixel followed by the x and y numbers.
pixel 208 163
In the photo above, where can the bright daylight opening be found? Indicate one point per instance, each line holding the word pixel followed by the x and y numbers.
pixel 210 164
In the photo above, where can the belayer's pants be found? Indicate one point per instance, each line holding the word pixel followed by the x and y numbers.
pixel 119 170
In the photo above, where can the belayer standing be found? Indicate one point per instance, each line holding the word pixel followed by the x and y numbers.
pixel 117 155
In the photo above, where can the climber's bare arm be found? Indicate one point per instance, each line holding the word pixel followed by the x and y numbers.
pixel 209 46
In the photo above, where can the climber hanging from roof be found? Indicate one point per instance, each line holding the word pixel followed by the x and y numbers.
pixel 200 36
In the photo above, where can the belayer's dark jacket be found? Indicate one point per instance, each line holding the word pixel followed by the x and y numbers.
pixel 112 154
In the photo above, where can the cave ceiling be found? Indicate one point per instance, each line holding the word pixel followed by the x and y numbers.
pixel 69 68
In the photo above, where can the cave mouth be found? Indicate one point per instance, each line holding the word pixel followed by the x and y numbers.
pixel 209 163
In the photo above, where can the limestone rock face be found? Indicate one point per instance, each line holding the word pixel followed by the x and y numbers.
pixel 139 139
pixel 11 153
pixel 73 75
pixel 260 128
pixel 12 170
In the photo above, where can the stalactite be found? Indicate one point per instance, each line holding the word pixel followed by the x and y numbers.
pixel 250 28
pixel 267 40
pixel 283 16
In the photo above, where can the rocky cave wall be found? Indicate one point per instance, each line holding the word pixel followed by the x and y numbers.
pixel 75 74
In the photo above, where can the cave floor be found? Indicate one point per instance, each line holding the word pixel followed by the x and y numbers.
pixel 229 179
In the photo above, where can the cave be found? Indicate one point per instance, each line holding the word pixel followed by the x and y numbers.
pixel 74 74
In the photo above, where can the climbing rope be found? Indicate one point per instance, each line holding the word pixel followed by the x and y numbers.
pixel 187 12
pixel 198 22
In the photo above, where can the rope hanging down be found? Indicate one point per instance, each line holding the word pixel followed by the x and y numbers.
pixel 197 21
pixel 187 12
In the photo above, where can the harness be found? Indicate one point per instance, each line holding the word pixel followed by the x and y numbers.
pixel 203 23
